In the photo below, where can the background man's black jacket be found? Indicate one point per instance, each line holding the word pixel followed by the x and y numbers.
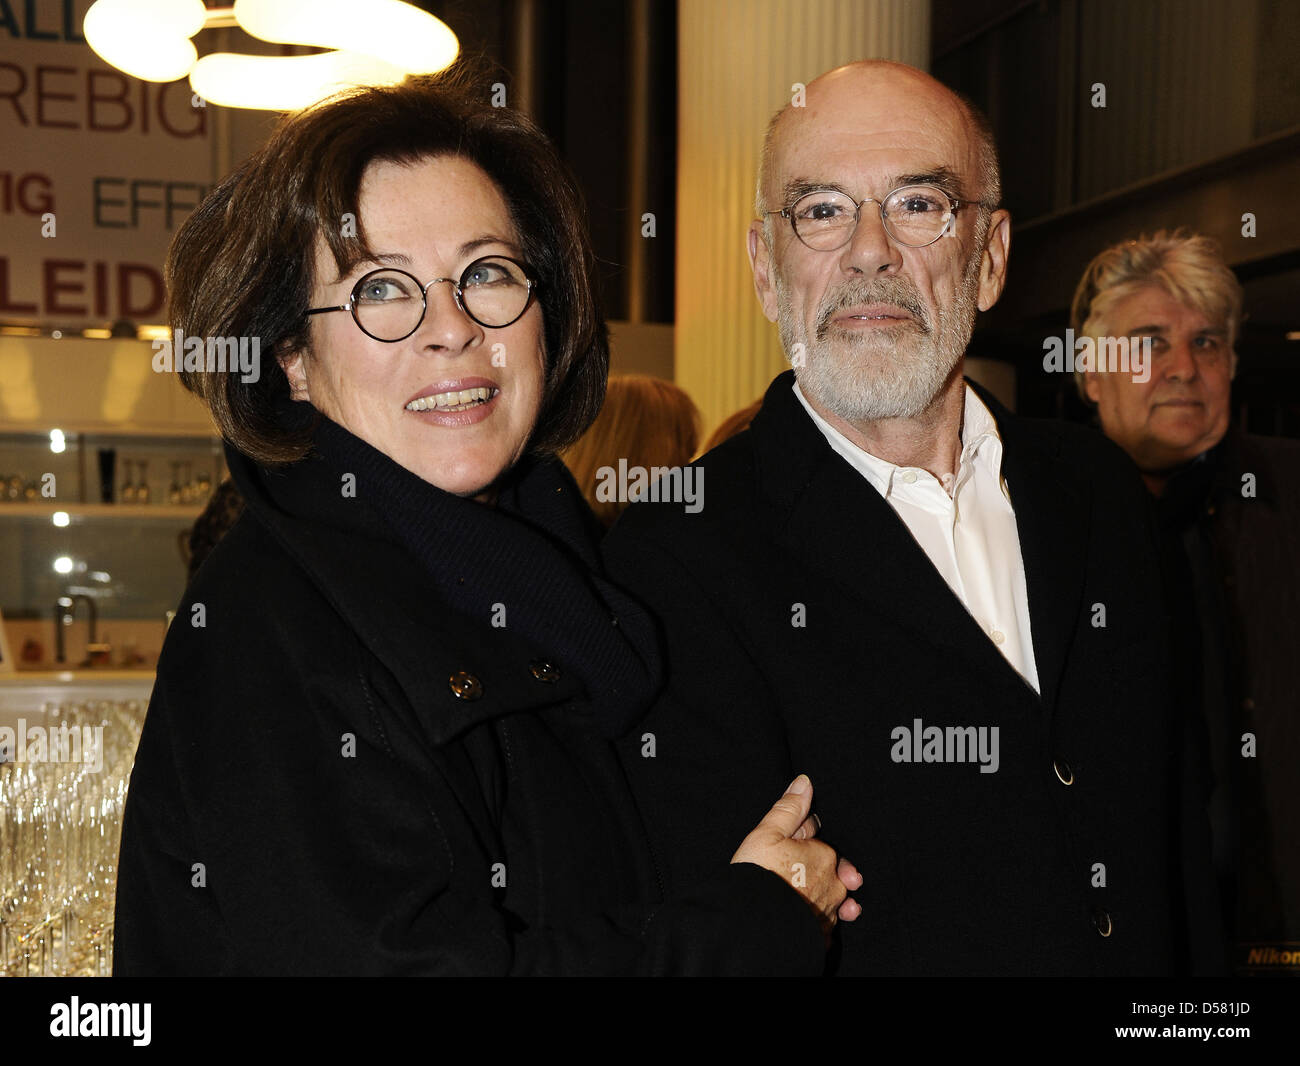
pixel 1232 519
pixel 311 797
pixel 803 624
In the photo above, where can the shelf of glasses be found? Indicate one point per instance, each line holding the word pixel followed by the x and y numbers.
pixel 60 828
pixel 37 509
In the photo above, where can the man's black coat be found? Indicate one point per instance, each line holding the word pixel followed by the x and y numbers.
pixel 804 625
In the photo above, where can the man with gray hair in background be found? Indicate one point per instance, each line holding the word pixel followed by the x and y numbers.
pixel 948 616
pixel 1229 509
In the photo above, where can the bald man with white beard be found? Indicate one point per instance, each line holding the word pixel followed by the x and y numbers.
pixel 949 617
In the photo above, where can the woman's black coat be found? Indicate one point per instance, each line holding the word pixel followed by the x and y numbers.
pixel 342 772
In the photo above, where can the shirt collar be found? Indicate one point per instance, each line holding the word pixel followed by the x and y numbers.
pixel 981 444
pixel 979 434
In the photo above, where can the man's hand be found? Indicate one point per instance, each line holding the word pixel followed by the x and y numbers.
pixel 783 843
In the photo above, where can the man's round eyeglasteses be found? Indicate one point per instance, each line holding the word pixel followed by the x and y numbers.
pixel 914 216
pixel 389 304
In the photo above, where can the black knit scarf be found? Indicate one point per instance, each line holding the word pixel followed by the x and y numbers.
pixel 533 553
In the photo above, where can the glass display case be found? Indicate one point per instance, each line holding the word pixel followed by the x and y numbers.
pixel 94 532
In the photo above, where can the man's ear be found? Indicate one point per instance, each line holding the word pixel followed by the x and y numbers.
pixel 760 262
pixel 993 260
pixel 294 369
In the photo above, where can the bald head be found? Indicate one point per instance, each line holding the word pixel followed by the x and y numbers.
pixel 878 96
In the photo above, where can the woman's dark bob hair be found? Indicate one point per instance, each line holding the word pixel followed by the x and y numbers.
pixel 242 264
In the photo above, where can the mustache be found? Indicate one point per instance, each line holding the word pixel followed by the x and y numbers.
pixel 895 290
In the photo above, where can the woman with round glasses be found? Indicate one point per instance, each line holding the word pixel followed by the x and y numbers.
pixel 379 738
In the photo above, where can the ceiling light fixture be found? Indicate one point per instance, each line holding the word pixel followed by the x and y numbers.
pixel 151 40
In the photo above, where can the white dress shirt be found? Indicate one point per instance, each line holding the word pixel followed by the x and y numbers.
pixel 967 526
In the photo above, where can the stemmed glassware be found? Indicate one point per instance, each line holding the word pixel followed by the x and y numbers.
pixel 60 826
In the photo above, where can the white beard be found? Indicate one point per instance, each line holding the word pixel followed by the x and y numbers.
pixel 895 373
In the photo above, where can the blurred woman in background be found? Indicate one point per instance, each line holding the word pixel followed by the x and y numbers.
pixel 647 421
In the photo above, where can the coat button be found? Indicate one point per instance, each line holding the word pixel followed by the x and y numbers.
pixel 1063 772
pixel 1101 921
pixel 544 671
pixel 465 686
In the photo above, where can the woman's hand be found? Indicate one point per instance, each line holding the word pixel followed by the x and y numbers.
pixel 783 843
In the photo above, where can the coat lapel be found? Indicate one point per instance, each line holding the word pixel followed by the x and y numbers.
pixel 845 528
pixel 1053 511
pixel 849 531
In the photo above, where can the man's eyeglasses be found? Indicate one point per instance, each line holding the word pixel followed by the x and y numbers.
pixel 915 216
pixel 389 304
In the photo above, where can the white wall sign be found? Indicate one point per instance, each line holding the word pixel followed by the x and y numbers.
pixel 97 170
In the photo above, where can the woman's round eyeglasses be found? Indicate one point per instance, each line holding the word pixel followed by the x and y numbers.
pixel 389 304
pixel 915 216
